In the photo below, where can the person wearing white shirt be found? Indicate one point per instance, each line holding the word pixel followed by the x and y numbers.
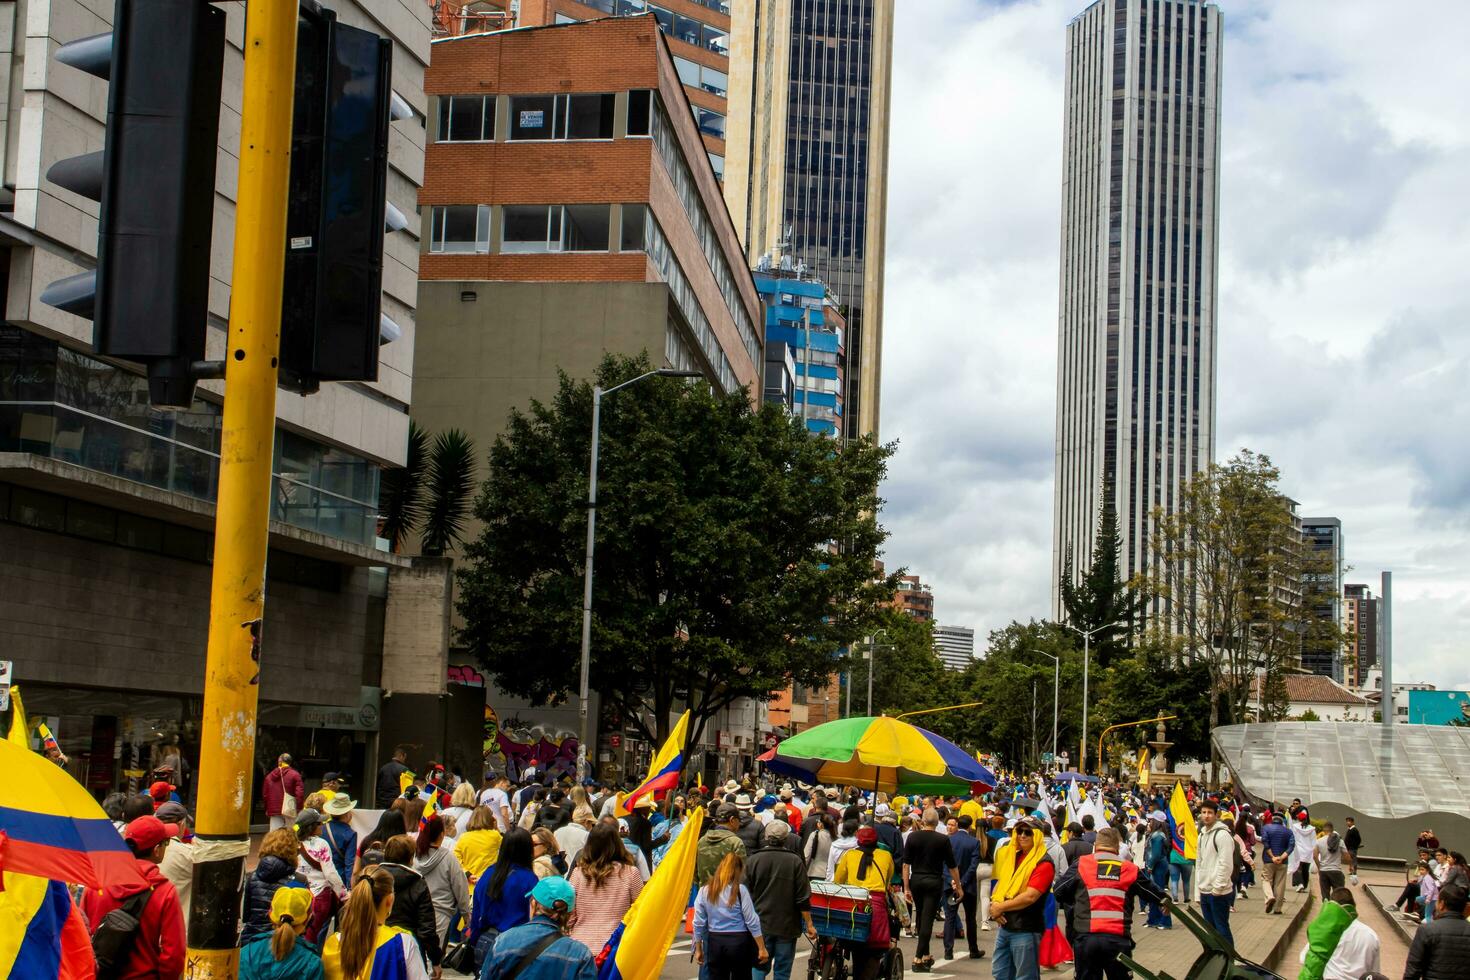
pixel 498 800
pixel 573 836
pixel 1358 949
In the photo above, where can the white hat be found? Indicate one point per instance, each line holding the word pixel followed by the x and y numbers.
pixel 732 787
pixel 882 810
pixel 786 790
pixel 743 802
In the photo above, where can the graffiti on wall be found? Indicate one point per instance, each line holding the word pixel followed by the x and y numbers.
pixel 513 743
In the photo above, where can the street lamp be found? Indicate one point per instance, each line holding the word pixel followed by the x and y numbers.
pixel 1086 658
pixel 597 395
pixel 1056 686
pixel 873 648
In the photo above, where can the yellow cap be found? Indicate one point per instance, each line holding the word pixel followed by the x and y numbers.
pixel 290 904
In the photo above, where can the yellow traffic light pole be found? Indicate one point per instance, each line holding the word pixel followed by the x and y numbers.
pixel 237 594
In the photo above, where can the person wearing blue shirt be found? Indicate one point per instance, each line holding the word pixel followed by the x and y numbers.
pixel 500 900
pixel 1277 844
pixel 967 862
pixel 727 929
pixel 542 942
pixel 1157 848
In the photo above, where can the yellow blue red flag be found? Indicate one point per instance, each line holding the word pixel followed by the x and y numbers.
pixel 663 773
pixel 19 734
pixel 42 933
pixel 638 946
pixel 1182 831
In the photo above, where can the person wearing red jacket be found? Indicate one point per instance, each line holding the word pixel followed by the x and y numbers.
pixel 157 952
pixel 278 783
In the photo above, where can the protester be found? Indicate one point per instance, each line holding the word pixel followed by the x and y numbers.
pixel 1156 865
pixel 727 929
pixel 751 830
pixel 479 845
pixel 1215 867
pixel 867 866
pixel 965 902
pixel 1277 847
pixel 388 788
pixel 1441 948
pixel 1100 891
pixel 178 861
pixel 1077 844
pixel 157 947
pixel 1327 856
pixel 1352 840
pixel 1305 837
pixel 496 795
pixel 546 861
pixel 1023 878
pixel 332 784
pixel 367 945
pixel 606 882
pixel 1339 946
pixel 370 848
pixel 284 793
pixel 777 881
pixel 339 835
pixel 499 901
pixel 413 906
pixel 573 837
pixel 279 850
pixel 448 890
pixel 817 837
pixel 283 954
pixel 539 949
pixel 315 862
pixel 456 815
pixel 845 841
pixel 720 842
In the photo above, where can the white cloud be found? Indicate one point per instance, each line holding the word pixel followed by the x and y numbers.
pixel 1345 236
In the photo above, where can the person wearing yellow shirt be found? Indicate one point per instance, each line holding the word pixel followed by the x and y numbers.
pixel 974 808
pixel 868 866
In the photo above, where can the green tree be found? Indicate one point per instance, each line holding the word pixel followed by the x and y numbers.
pixel 1155 681
pixel 1102 598
pixel 907 674
pixel 451 484
pixel 401 493
pixel 735 550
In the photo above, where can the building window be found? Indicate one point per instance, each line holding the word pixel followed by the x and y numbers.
pixel 640 112
pixel 695 75
pixel 466 118
pixel 530 228
pixel 718 163
pixel 710 122
pixel 560 117
pixel 460 228
pixel 635 217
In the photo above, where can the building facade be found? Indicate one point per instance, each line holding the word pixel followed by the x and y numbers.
pixel 1136 332
pixel 1360 622
pixel 807 159
pixel 915 598
pixel 1322 594
pixel 107 505
pixel 955 645
pixel 804 325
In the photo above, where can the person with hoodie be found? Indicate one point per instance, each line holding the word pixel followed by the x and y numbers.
pixel 1327 856
pixel 1214 868
pixel 277 866
pixel 283 954
pixel 1339 946
pixel 721 840
pixel 413 907
pixel 443 875
pixel 1305 837
pixel 845 841
pixel 157 950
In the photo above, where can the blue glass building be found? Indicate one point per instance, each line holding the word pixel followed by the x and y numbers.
pixel 804 328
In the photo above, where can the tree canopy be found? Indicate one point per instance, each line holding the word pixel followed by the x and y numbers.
pixel 735 550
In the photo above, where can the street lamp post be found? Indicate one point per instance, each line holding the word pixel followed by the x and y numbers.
pixel 582 709
pixel 873 647
pixel 1056 687
pixel 1086 660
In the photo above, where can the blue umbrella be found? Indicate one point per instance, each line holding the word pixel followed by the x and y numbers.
pixel 1081 777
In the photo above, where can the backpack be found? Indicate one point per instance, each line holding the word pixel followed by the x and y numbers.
pixel 1237 863
pixel 116 935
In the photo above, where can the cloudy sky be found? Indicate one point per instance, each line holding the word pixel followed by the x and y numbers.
pixel 1344 333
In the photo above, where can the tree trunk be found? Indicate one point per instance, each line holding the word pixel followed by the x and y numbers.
pixel 1214 720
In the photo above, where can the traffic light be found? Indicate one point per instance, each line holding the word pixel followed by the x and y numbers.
pixel 331 318
pixel 148 298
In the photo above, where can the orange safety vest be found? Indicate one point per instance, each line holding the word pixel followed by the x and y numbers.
pixel 1108 881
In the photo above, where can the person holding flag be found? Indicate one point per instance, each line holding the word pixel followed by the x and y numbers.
pixel 663 773
pixel 1184 846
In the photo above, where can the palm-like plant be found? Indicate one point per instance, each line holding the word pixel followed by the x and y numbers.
pixel 401 493
pixel 451 481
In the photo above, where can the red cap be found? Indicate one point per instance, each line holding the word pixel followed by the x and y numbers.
pixel 146 833
pixel 867 835
pixel 160 790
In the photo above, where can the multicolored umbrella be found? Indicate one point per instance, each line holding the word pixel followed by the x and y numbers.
pixel 881 754
pixel 51 827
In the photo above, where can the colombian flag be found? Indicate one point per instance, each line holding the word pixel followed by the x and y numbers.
pixel 638 946
pixel 1182 831
pixel 41 931
pixel 663 774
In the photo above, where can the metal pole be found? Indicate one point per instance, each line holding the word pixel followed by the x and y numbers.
pixel 584 692
pixel 1056 687
pixel 1086 659
pixel 847 677
pixel 242 514
pixel 1387 707
pixel 872 656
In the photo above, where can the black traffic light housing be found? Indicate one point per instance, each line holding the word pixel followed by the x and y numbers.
pixel 148 298
pixel 331 317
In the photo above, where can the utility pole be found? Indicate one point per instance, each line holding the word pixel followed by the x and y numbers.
pixel 237 591
pixel 1387 706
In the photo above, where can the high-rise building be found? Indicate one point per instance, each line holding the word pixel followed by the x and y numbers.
pixel 915 598
pixel 807 159
pixel 1322 594
pixel 803 324
pixel 1360 622
pixel 1136 332
pixel 698 32
pixel 955 645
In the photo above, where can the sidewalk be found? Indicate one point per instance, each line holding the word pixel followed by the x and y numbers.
pixel 1259 938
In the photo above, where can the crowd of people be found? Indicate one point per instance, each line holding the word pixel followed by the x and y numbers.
pixel 530 881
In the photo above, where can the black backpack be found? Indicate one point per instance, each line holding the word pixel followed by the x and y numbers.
pixel 116 935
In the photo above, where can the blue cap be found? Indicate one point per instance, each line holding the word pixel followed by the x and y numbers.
pixel 553 889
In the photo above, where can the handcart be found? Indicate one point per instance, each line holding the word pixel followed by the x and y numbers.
pixel 843 917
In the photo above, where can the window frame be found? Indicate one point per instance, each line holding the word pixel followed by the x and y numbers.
pixel 438 221
pixel 488 106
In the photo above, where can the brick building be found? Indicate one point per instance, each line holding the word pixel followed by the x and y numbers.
pixel 915 598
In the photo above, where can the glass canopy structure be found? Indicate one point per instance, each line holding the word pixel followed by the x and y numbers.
pixel 1378 772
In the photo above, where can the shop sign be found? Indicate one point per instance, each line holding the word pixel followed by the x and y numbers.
pixel 5 669
pixel 365 717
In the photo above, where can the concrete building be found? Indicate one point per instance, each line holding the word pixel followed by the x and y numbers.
pixel 915 598
pixel 698 32
pixel 807 160
pixel 1322 594
pixel 107 505
pixel 1136 333
pixel 1360 622
pixel 1372 689
pixel 955 645
pixel 802 322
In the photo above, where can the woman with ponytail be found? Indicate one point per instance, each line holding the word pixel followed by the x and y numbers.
pixel 283 954
pixel 367 948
